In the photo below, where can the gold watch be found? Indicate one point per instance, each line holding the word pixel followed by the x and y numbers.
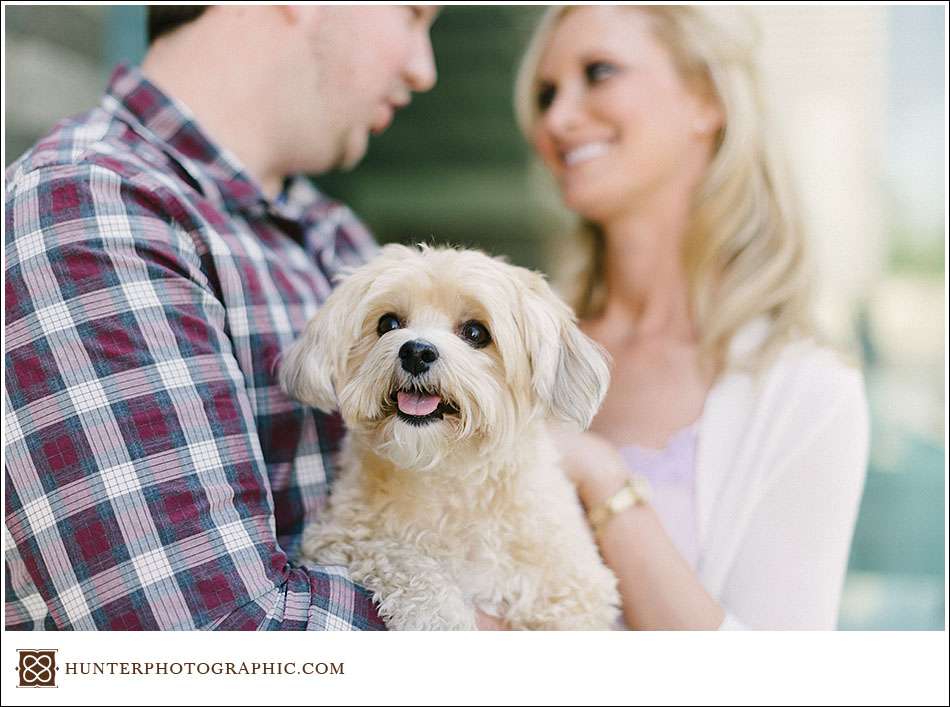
pixel 635 491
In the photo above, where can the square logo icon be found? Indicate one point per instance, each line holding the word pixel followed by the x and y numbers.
pixel 37 668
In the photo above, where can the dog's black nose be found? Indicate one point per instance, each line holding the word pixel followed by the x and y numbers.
pixel 417 355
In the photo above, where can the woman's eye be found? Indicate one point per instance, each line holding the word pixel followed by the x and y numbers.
pixel 387 323
pixel 545 97
pixel 475 334
pixel 598 71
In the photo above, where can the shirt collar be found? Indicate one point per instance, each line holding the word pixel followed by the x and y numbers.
pixel 158 117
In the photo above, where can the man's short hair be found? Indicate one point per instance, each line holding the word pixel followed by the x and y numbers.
pixel 165 19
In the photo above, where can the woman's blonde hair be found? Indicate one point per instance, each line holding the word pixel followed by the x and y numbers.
pixel 744 251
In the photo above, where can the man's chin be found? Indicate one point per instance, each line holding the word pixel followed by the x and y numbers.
pixel 353 152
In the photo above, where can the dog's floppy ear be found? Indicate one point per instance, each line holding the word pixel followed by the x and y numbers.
pixel 312 368
pixel 569 371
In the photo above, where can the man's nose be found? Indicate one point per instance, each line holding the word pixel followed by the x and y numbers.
pixel 416 355
pixel 421 72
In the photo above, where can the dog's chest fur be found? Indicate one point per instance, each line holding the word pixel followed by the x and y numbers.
pixel 506 540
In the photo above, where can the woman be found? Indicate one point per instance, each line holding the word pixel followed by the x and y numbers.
pixel 694 279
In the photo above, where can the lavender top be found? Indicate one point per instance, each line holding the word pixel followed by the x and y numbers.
pixel 671 472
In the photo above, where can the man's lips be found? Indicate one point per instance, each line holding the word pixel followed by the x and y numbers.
pixel 387 112
pixel 383 120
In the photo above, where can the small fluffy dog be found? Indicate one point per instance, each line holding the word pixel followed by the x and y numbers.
pixel 447 367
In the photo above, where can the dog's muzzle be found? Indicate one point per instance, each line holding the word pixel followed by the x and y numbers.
pixel 416 355
pixel 417 401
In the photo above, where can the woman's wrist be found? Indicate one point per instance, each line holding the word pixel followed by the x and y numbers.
pixel 600 487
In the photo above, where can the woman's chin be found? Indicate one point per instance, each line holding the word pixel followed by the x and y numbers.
pixel 592 207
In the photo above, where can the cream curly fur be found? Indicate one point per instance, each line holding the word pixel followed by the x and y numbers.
pixel 470 510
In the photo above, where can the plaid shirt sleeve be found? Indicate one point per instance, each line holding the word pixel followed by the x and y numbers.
pixel 137 495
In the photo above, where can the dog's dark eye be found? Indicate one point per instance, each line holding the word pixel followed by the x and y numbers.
pixel 387 323
pixel 475 334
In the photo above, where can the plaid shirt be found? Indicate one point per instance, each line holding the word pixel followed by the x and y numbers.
pixel 156 476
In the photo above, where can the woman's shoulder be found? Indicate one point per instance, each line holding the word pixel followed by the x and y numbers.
pixel 808 393
pixel 804 372
pixel 823 364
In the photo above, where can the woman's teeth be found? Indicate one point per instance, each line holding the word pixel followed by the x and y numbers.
pixel 584 153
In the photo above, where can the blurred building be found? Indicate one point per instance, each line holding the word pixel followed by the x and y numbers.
pixel 58 60
pixel 828 97
pixel 858 95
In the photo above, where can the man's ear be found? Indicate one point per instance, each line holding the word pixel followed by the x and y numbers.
pixel 296 14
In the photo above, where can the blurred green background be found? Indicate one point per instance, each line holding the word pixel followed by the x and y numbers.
pixel 453 168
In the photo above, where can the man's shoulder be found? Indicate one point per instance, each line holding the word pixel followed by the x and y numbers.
pixel 91 179
pixel 91 165
pixel 80 146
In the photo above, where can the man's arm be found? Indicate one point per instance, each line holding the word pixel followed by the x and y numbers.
pixel 137 494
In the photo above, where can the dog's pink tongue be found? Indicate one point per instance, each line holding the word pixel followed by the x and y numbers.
pixel 415 404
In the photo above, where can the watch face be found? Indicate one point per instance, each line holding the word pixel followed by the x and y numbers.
pixel 623 499
pixel 635 491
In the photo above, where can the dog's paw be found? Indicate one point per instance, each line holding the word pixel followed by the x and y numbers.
pixel 430 623
pixel 432 612
pixel 577 603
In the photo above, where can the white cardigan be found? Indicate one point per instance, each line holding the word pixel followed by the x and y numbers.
pixel 780 469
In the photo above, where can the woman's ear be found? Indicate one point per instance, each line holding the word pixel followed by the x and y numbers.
pixel 709 117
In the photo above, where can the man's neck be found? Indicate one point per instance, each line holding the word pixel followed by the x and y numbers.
pixel 225 105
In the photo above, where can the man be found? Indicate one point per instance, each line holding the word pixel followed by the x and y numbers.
pixel 160 256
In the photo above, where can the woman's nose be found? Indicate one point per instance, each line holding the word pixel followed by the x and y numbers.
pixel 564 112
